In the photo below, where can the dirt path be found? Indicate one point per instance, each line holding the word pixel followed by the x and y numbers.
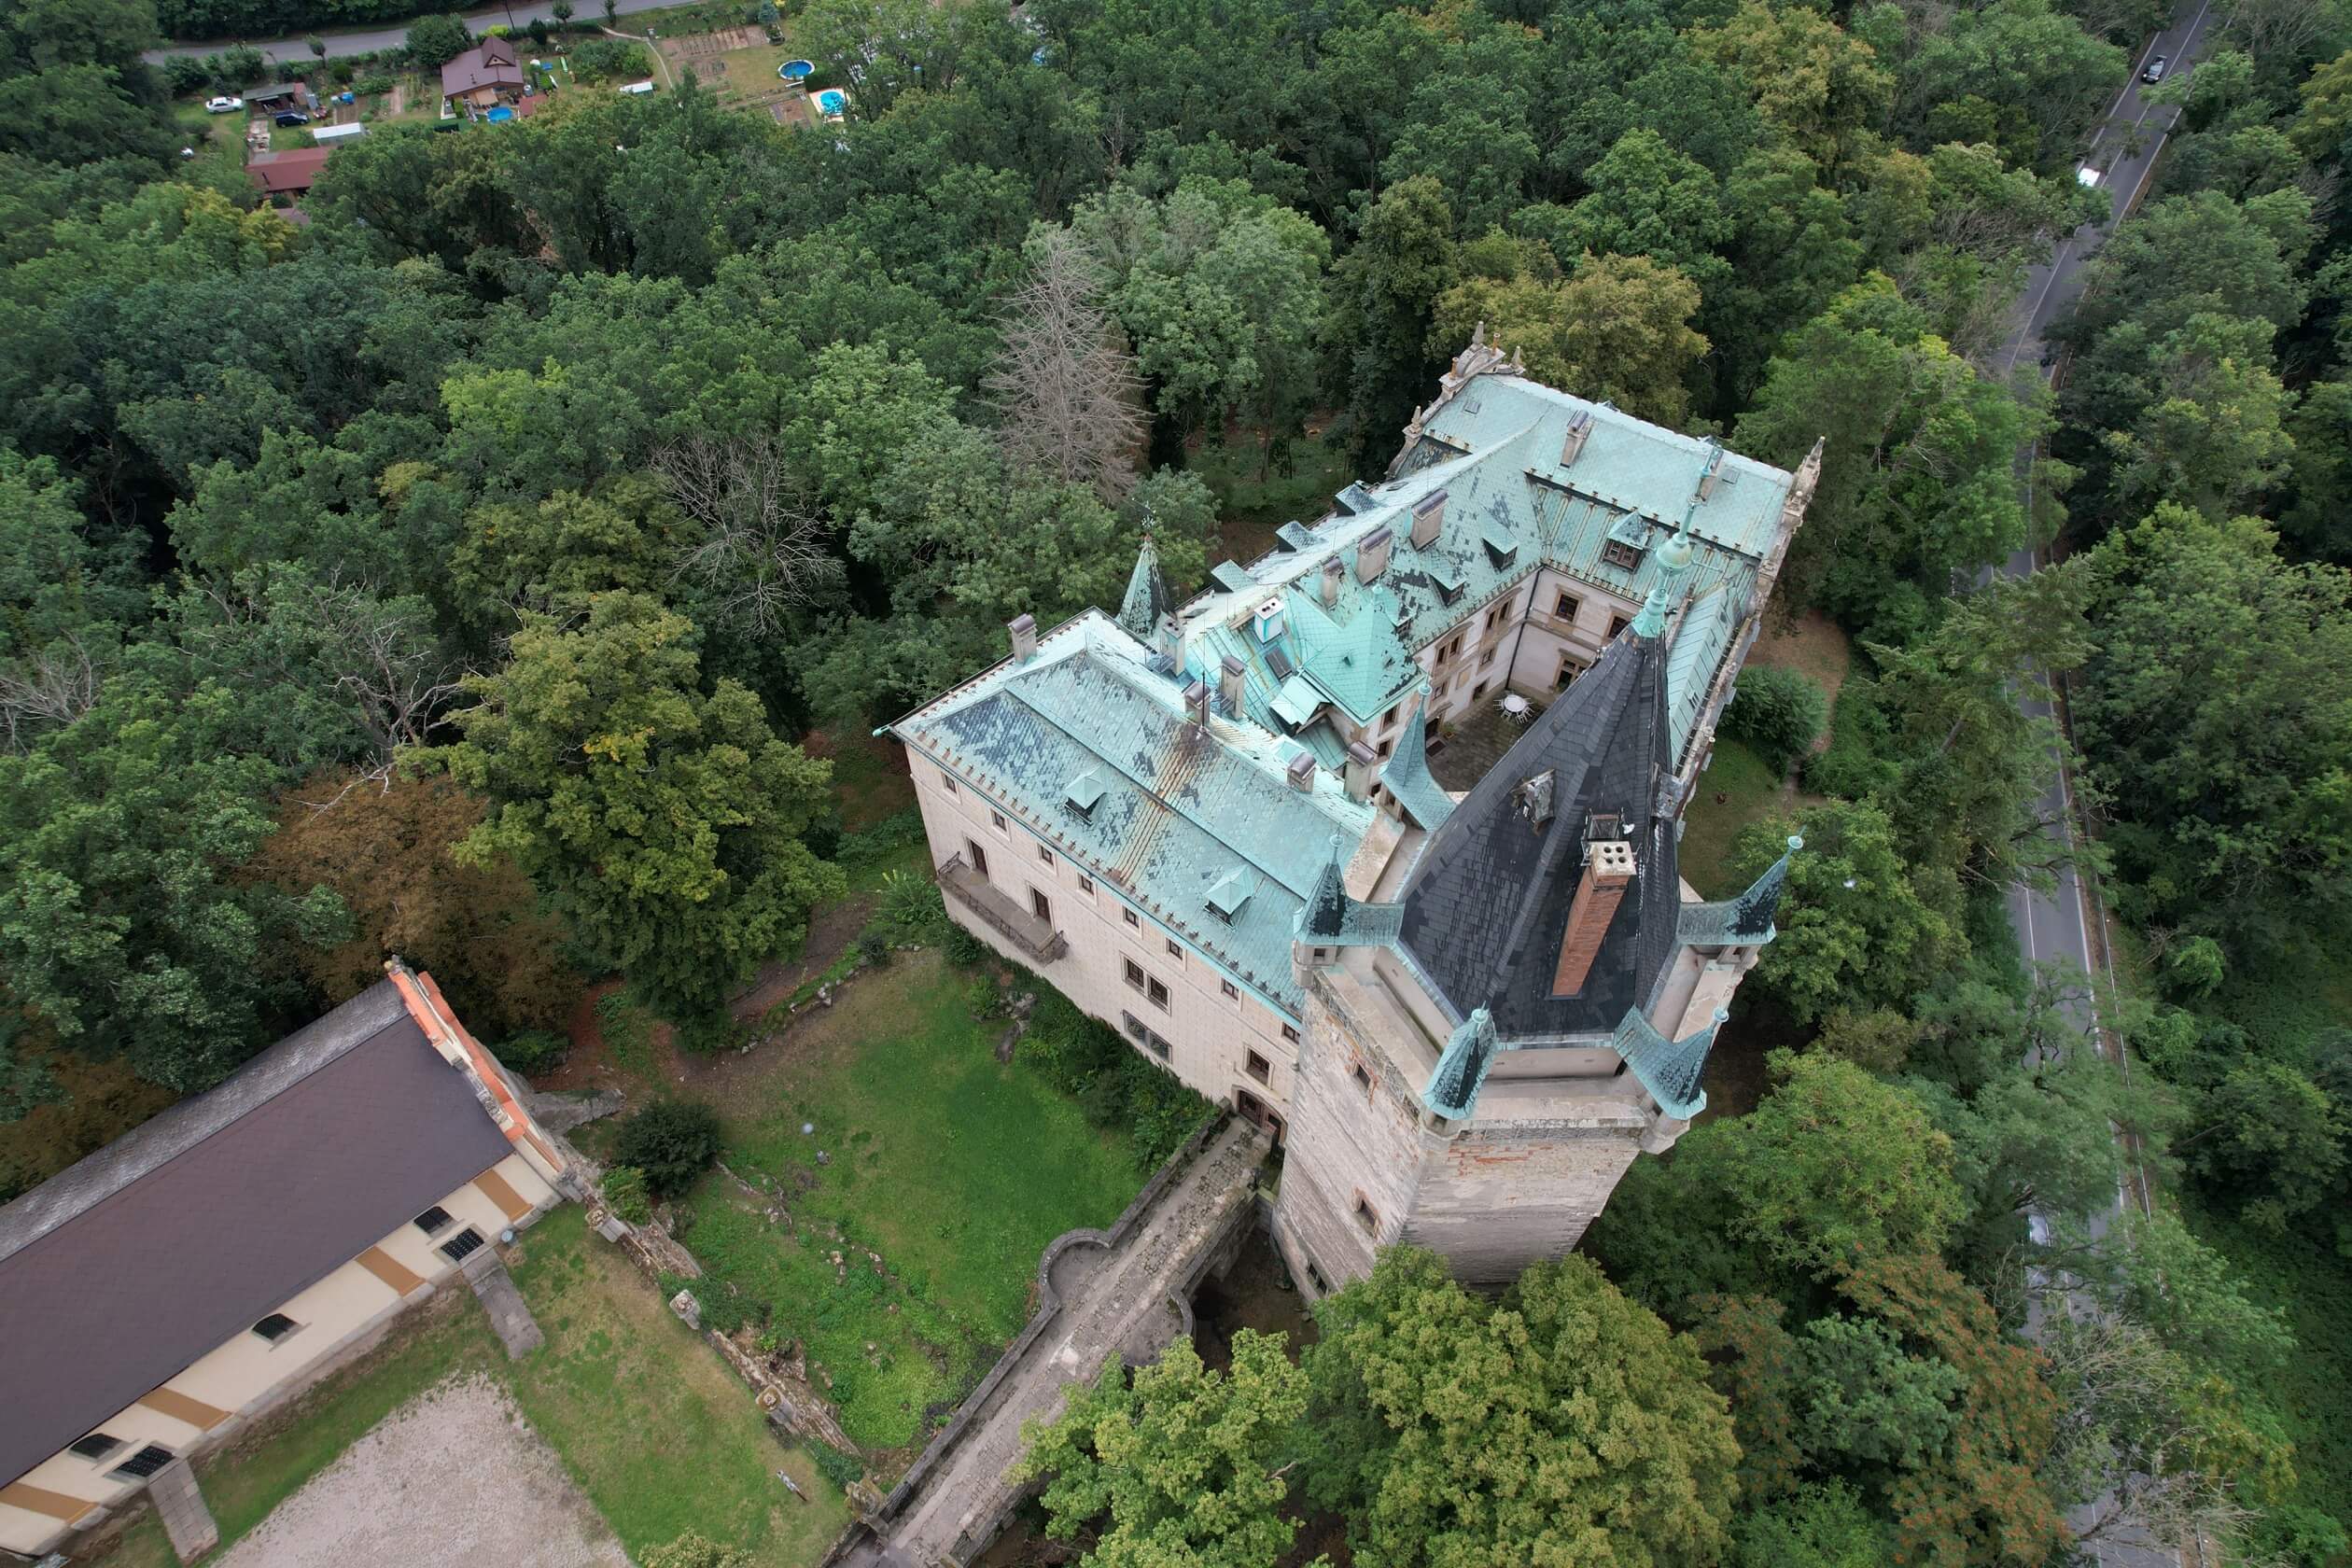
pixel 454 1476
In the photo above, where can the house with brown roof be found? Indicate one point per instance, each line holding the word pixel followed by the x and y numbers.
pixel 232 1251
pixel 489 73
pixel 286 174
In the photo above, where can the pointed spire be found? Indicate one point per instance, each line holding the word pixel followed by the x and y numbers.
pixel 1405 774
pixel 1326 911
pixel 1670 1069
pixel 1470 1050
pixel 1743 921
pixel 1147 596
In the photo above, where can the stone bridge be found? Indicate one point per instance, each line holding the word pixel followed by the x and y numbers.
pixel 1126 1290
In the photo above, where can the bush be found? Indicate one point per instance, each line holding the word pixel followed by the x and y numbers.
pixel 963 950
pixel 982 998
pixel 1778 713
pixel 342 71
pixel 1857 763
pixel 373 86
pixel 706 1034
pixel 532 1052
pixel 912 909
pixel 873 949
pixel 605 59
pixel 624 1193
pixel 185 74
pixel 672 1141
pixel 1113 1084
pixel 841 1469
pixel 690 1550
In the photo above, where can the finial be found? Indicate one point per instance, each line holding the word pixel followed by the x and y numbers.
pixel 1794 843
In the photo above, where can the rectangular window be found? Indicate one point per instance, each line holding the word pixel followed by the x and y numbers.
pixel 1232 992
pixel 1158 991
pixel 1146 1036
pixel 1174 951
pixel 143 1464
pixel 1366 1216
pixel 1495 616
pixel 1315 1278
pixel 1259 1067
pixel 1617 623
pixel 463 1245
pixel 1130 916
pixel 1569 670
pixel 275 1327
pixel 1134 974
pixel 1364 1079
pixel 1616 552
pixel 996 820
pixel 433 1220
pixel 979 856
pixel 1388 746
pixel 1566 605
pixel 1044 854
pixel 1290 1032
pixel 1040 907
pixel 948 780
pixel 1488 663
pixel 1085 886
pixel 1478 691
pixel 98 1445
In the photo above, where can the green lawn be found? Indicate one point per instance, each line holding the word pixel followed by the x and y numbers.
pixel 955 1169
pixel 651 1425
pixel 1750 792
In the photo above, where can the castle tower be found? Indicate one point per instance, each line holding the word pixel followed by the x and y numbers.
pixel 1484 1056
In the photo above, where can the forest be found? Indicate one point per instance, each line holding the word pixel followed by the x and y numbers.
pixel 466 572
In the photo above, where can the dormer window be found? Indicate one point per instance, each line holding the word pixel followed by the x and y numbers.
pixel 1616 552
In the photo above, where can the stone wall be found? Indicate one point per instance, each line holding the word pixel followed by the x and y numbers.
pixel 1498 1197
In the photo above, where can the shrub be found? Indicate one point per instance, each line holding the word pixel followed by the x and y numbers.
pixel 624 1193
pixel 841 1469
pixel 538 31
pixel 690 1550
pixel 982 998
pixel 873 949
pixel 911 908
pixel 342 71
pixel 1778 713
pixel 1857 761
pixel 706 1034
pixel 373 86
pixel 185 73
pixel 532 1052
pixel 672 1141
pixel 604 59
pixel 963 950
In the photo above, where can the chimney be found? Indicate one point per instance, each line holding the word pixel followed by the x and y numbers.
pixel 1171 641
pixel 1361 763
pixel 1302 772
pixel 1608 870
pixel 1580 426
pixel 1707 475
pixel 1230 684
pixel 1333 571
pixel 1372 554
pixel 1196 701
pixel 1024 630
pixel 1429 516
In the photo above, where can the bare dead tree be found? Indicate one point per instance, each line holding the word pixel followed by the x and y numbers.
pixel 1068 387
pixel 757 547
pixel 54 687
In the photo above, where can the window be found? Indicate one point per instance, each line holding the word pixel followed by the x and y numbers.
pixel 1129 916
pixel 1174 951
pixel 1085 886
pixel 1569 670
pixel 1044 854
pixel 1134 975
pixel 1566 605
pixel 1616 552
pixel 1617 623
pixel 1315 1278
pixel 979 856
pixel 1366 1216
pixel 98 1445
pixel 143 1464
pixel 433 1220
pixel 1259 1067
pixel 1146 1036
pixel 1388 746
pixel 1447 649
pixel 1158 991
pixel 276 1326
pixel 1290 1032
pixel 1488 663
pixel 1232 992
pixel 948 780
pixel 1495 616
pixel 1364 1079
pixel 996 820
pixel 463 1245
pixel 1478 691
pixel 1041 907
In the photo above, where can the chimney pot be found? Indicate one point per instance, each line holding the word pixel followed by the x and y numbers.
pixel 1580 426
pixel 1372 554
pixel 1302 772
pixel 1361 763
pixel 1229 683
pixel 1024 632
pixel 1334 571
pixel 1196 701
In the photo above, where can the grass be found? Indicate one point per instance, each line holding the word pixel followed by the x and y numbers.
pixel 650 1423
pixel 1250 509
pixel 1736 789
pixel 952 1168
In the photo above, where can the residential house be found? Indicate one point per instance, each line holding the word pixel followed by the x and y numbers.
pixel 230 1252
pixel 486 75
pixel 286 174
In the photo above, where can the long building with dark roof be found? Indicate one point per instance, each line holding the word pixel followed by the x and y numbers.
pixel 1213 824
pixel 226 1253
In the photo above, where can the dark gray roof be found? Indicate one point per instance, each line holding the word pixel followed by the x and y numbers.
pixel 118 1273
pixel 1488 903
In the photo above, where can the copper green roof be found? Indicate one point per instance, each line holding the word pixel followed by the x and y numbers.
pixel 1147 596
pixel 1743 921
pixel 1405 774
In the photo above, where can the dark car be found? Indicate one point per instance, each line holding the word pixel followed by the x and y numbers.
pixel 2154 70
pixel 292 117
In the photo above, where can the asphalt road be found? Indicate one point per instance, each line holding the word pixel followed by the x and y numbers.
pixel 586 13
pixel 2056 926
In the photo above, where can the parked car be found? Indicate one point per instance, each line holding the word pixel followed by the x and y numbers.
pixel 293 117
pixel 223 105
pixel 2154 70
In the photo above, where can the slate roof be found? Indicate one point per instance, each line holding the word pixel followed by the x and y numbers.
pixel 1487 904
pixel 118 1272
pixel 1405 774
pixel 1181 808
pixel 492 62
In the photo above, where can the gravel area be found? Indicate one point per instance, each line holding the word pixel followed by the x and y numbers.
pixel 453 1476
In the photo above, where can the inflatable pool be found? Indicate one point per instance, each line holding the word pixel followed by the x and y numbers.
pixel 797 70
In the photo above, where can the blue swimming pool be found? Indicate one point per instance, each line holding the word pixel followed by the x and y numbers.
pixel 501 112
pixel 831 101
pixel 797 70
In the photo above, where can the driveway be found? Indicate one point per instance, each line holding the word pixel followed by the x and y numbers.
pixel 453 1476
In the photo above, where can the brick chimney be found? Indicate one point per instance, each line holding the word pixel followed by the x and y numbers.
pixel 1024 631
pixel 1608 870
pixel 1372 554
pixel 1333 572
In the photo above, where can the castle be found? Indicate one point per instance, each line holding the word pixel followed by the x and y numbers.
pixel 1213 824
